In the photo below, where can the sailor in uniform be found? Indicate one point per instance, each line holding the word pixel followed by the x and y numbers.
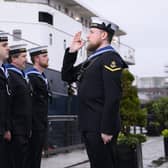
pixel 40 86
pixel 99 91
pixel 5 130
pixel 21 105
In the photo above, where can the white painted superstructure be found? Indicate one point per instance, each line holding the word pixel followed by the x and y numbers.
pixel 51 23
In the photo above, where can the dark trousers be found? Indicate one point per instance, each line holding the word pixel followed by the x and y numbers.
pixel 4 153
pixel 19 147
pixel 100 155
pixel 37 143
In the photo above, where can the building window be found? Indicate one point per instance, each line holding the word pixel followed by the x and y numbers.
pixel 51 39
pixel 46 17
pixel 17 34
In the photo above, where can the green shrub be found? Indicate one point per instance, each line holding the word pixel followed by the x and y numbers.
pixel 165 133
pixel 131 139
pixel 154 124
pixel 130 107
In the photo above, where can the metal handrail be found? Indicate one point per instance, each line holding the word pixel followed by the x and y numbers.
pixel 62 118
pixel 23 39
pixel 129 47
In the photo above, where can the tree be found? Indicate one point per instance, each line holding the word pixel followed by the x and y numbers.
pixel 160 109
pixel 131 112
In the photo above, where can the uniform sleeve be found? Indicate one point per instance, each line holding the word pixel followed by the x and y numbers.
pixel 8 125
pixel 69 72
pixel 10 100
pixel 32 82
pixel 111 72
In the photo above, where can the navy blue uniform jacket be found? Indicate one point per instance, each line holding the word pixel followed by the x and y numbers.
pixel 4 104
pixel 99 91
pixel 39 103
pixel 20 104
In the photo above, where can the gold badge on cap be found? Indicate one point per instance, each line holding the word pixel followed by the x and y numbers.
pixel 22 50
pixel 43 51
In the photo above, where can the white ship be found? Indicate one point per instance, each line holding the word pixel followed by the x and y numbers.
pixel 52 23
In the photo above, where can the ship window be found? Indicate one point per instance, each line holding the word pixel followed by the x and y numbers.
pixel 50 39
pixel 17 34
pixel 65 44
pixel 66 11
pixel 72 15
pixel 46 17
pixel 59 7
pixel 86 22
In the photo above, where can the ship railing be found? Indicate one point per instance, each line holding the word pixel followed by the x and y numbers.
pixel 63 129
pixel 126 52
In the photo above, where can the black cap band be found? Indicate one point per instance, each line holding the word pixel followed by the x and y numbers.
pixel 102 27
pixel 17 51
pixel 3 39
pixel 44 51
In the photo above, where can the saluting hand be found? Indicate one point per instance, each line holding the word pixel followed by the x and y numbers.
pixel 106 138
pixel 77 43
pixel 8 136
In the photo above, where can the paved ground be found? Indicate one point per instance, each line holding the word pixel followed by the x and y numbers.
pixel 164 165
pixel 152 150
pixel 63 160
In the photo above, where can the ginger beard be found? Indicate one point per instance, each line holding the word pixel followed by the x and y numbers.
pixel 43 64
pixel 93 46
pixel 94 39
pixel 43 61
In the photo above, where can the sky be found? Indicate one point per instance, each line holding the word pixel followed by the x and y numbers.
pixel 146 24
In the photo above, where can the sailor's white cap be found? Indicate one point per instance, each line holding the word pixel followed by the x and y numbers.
pixel 3 36
pixel 16 49
pixel 103 24
pixel 38 50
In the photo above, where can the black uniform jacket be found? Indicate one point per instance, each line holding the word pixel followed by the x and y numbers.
pixel 21 103
pixel 4 103
pixel 99 90
pixel 40 100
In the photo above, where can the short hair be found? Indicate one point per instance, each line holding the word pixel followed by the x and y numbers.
pixel 110 36
pixel 32 59
pixel 9 59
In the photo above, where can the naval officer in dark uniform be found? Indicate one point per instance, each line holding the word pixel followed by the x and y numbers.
pixel 5 134
pixel 40 86
pixel 99 82
pixel 21 106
